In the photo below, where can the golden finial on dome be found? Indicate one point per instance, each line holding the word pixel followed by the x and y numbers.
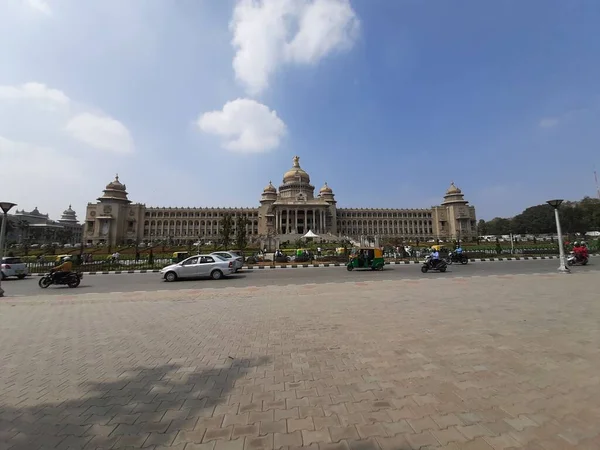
pixel 296 161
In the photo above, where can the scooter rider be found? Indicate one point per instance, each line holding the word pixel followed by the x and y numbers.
pixel 435 257
pixel 61 271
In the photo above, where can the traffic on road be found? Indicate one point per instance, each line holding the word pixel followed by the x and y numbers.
pixel 288 276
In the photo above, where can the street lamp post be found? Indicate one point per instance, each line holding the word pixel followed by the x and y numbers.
pixel 562 268
pixel 6 207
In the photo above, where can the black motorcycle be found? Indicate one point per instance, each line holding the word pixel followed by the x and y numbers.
pixel 72 279
pixel 454 257
pixel 428 265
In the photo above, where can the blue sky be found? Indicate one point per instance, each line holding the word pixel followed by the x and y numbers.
pixel 202 102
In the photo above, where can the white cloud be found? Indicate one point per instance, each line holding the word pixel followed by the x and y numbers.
pixel 33 91
pixel 101 132
pixel 548 122
pixel 270 33
pixel 41 130
pixel 40 6
pixel 245 125
pixel 28 170
pixel 325 26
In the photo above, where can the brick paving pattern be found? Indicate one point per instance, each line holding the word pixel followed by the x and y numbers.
pixel 500 362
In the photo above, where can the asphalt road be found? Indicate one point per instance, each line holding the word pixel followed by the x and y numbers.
pixel 282 277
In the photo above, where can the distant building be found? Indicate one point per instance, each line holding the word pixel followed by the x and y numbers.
pixel 33 227
pixel 284 214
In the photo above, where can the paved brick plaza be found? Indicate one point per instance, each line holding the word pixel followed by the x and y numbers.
pixel 474 363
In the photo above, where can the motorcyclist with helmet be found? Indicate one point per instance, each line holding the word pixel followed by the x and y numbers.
pixel 580 250
pixel 63 270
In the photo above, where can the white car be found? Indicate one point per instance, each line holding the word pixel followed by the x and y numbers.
pixel 13 267
pixel 198 266
pixel 237 260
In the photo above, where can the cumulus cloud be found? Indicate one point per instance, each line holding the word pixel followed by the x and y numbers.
pixel 33 91
pixel 41 134
pixel 37 167
pixel 548 122
pixel 40 6
pixel 271 33
pixel 245 126
pixel 101 132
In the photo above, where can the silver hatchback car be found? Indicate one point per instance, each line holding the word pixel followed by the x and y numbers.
pixel 13 267
pixel 237 260
pixel 198 266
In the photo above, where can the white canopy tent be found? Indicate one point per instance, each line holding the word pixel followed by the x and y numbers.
pixel 310 234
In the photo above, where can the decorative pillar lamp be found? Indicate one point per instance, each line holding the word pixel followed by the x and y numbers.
pixel 6 207
pixel 562 268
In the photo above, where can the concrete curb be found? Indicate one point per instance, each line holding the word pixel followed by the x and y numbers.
pixel 300 266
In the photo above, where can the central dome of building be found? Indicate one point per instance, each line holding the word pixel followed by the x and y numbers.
pixel 296 173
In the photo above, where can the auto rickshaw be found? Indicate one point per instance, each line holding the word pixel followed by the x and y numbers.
pixel 366 258
pixel 180 256
pixel 60 258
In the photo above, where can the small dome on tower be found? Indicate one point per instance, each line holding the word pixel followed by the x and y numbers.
pixel 270 188
pixel 116 185
pixel 68 215
pixel 453 189
pixel 325 189
pixel 115 190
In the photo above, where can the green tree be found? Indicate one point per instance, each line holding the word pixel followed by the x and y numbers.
pixel 241 238
pixel 498 226
pixel 226 230
pixel 576 218
pixel 535 220
pixel 482 228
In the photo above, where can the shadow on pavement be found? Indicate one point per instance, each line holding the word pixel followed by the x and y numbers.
pixel 145 406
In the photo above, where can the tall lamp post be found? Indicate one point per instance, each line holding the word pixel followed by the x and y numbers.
pixel 562 268
pixel 6 207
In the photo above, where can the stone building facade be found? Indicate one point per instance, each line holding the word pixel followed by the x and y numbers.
pixel 285 214
pixel 35 227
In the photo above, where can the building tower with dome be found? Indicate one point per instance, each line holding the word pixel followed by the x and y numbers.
pixel 37 228
pixel 284 214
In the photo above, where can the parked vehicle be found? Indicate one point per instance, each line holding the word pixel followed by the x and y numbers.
pixel 13 267
pixel 366 258
pixel 237 260
pixel 574 260
pixel 198 266
pixel 238 253
pixel 441 265
pixel 73 279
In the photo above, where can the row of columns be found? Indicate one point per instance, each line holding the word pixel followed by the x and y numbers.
pixel 317 224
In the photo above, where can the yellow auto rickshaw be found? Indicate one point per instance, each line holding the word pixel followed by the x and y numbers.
pixel 60 258
pixel 179 256
pixel 366 258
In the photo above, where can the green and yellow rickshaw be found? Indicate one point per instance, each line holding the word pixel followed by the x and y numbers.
pixel 366 258
pixel 179 256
